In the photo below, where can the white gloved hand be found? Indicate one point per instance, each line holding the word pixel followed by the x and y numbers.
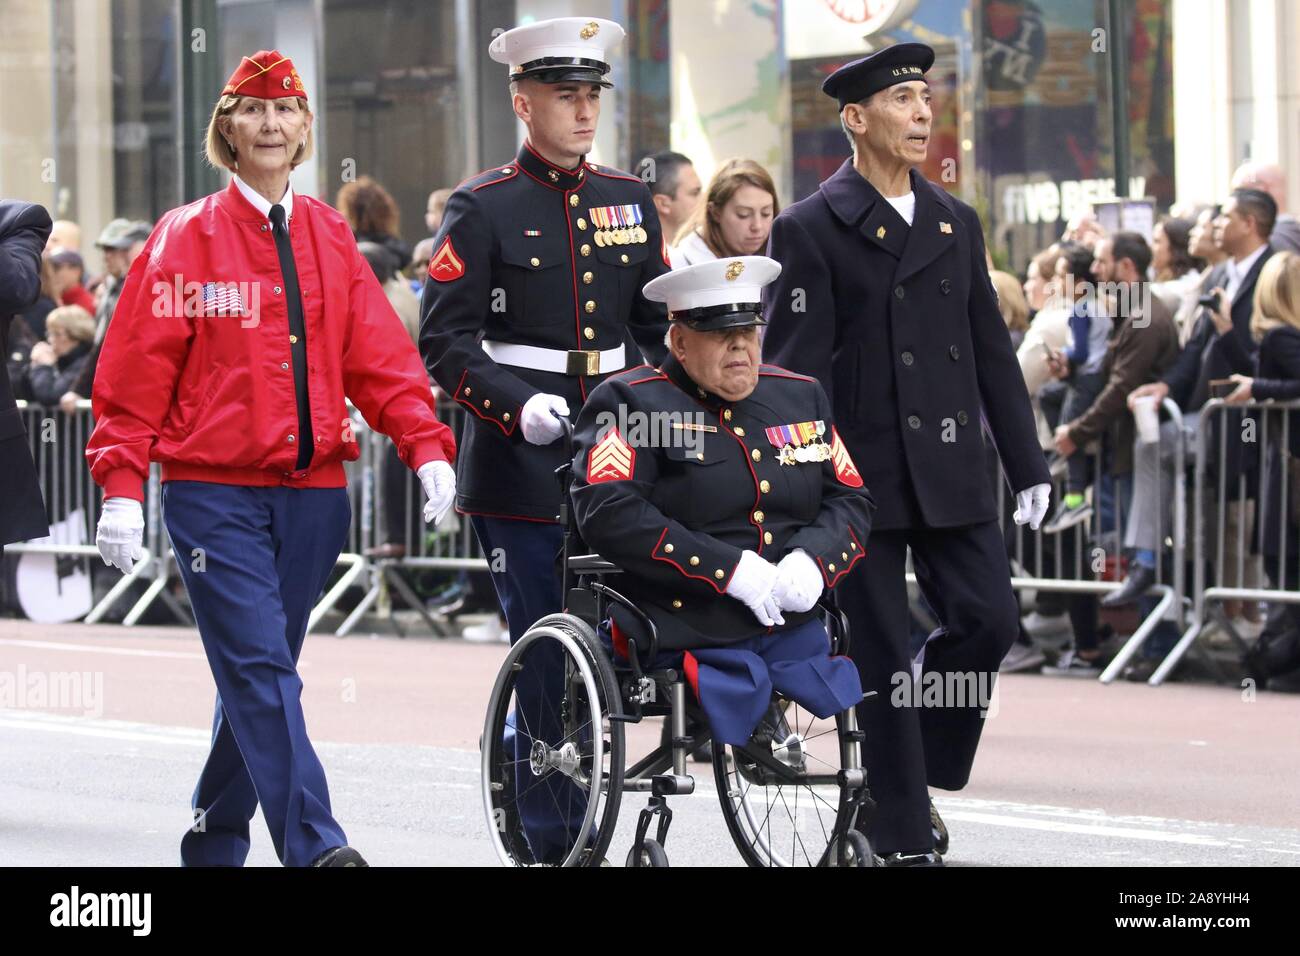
pixel 1031 505
pixel 751 584
pixel 541 418
pixel 120 534
pixel 798 582
pixel 439 481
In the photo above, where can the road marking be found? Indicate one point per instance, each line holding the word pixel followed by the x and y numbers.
pixel 105 729
pixel 102 649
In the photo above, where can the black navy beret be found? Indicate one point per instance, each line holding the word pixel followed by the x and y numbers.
pixel 899 63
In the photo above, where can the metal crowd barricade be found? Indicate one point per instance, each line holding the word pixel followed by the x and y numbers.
pixel 1066 562
pixel 1271 434
pixel 389 512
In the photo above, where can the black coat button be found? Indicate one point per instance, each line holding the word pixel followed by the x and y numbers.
pixel 913 422
pixel 945 286
pixel 898 292
pixel 908 358
pixel 954 352
pixel 962 418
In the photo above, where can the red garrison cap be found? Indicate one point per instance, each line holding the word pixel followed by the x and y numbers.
pixel 267 74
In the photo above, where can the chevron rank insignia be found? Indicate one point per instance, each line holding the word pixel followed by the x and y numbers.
pixel 845 470
pixel 445 265
pixel 611 460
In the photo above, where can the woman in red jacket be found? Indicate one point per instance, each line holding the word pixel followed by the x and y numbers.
pixel 243 327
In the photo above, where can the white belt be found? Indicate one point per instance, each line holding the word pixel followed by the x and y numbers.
pixel 563 361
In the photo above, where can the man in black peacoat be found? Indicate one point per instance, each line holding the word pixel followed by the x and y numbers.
pixel 885 298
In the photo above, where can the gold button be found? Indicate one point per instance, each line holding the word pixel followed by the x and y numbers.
pixel 853 546
pixel 844 555
pixel 487 403
pixel 624 258
pixel 585 250
pixel 590 306
pixel 756 455
pixel 765 486
pixel 727 414
pixel 677 604
pixel 740 432
pixel 573 200
pixel 587 278
pixel 535 261
pixel 699 455
pixel 505 417
pixel 759 516
pixel 767 537
pixel 719 574
pixel 468 391
pixel 831 566
pixel 582 223
pixel 293 340
pixel 694 560
pixel 589 333
pixel 668 549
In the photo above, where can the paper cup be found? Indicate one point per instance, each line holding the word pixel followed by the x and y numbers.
pixel 1147 415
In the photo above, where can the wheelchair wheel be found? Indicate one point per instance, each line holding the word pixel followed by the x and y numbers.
pixel 851 850
pixel 652 854
pixel 552 760
pixel 782 793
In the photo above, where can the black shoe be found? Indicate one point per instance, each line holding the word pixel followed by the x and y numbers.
pixel 340 856
pixel 910 859
pixel 938 830
pixel 1136 584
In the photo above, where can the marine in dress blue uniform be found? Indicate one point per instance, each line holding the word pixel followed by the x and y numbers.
pixel 899 322
pixel 535 290
pixel 719 484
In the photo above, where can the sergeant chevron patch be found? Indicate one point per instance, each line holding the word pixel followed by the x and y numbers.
pixel 445 265
pixel 611 460
pixel 845 470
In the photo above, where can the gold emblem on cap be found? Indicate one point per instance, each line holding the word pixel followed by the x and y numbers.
pixel 734 270
pixel 590 30
pixel 945 228
pixel 287 82
pixel 880 233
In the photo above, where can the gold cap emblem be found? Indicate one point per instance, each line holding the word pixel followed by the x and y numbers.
pixel 734 270
pixel 590 30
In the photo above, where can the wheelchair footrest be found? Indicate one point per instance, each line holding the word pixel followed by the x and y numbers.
pixel 671 785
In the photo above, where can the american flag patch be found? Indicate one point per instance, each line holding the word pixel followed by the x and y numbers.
pixel 222 298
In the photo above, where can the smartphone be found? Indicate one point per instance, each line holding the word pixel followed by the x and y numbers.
pixel 1222 387
pixel 1210 301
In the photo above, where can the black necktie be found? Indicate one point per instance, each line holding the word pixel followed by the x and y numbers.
pixel 297 333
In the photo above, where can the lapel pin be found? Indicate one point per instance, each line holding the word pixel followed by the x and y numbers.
pixel 880 233
pixel 945 228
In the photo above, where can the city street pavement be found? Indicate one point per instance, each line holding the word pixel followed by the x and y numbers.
pixel 104 730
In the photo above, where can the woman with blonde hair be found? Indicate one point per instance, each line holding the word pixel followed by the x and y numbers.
pixel 56 362
pixel 244 327
pixel 1012 304
pixel 1275 324
pixel 734 220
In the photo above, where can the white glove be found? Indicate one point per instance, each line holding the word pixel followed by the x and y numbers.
pixel 439 480
pixel 120 534
pixel 798 582
pixel 541 418
pixel 751 585
pixel 1031 505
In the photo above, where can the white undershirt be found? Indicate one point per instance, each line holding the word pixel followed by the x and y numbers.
pixel 905 205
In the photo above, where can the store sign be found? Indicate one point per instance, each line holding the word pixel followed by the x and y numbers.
pixel 1049 202
pixel 874 15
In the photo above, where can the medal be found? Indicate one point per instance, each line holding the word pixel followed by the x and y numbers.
pixel 600 238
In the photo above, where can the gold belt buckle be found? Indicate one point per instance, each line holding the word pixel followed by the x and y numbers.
pixel 583 362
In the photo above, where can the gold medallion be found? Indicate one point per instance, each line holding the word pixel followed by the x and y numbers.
pixel 600 238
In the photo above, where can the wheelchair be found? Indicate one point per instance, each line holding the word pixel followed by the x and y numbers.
pixel 791 796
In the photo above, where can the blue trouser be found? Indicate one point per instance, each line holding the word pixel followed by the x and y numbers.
pixel 254 560
pixel 734 684
pixel 550 810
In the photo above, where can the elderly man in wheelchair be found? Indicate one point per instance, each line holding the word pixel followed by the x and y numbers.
pixel 723 508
